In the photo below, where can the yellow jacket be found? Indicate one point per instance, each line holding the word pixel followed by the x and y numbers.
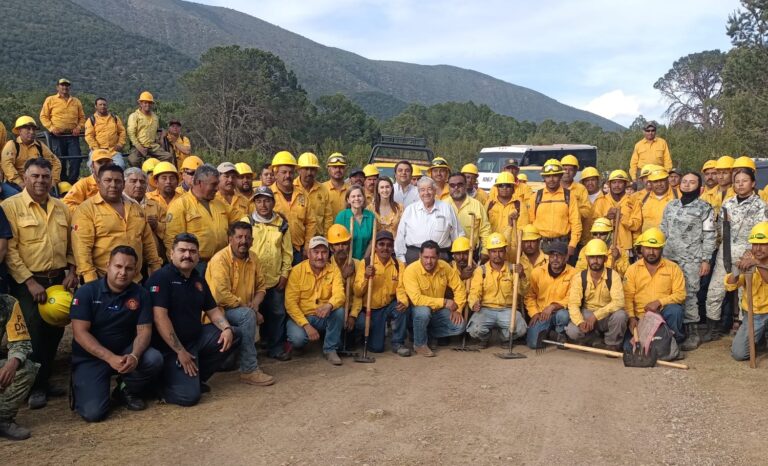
pixel 525 279
pixel 493 288
pixel 142 129
pixel 187 215
pixel 85 188
pixel 298 212
pixel 337 198
pixel 173 144
pixel 649 210
pixel 555 218
pixel 106 132
pixel 620 266
pixel 759 292
pixel 239 204
pixel 41 238
pixel 233 281
pixel 480 221
pixel 157 197
pixel 62 114
pixel 12 163
pixel 640 287
pixel 355 303
pixel 545 289
pixel 498 217
pixel 320 204
pixel 97 229
pixel 715 197
pixel 481 196
pixel 152 208
pixel 596 298
pixel 428 289
pixel 306 291
pixel 273 248
pixel 387 283
pixel 645 152
pixel 606 202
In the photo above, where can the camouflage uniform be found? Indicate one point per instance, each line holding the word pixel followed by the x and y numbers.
pixel 743 217
pixel 690 231
pixel 19 347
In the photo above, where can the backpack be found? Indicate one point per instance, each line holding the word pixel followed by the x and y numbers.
pixel 655 336
pixel 282 228
pixel 92 119
pixel 540 194
pixel 584 277
pixel 36 144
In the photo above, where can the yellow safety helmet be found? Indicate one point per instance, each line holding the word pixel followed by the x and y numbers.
pixel 571 160
pixel 495 241
pixel 64 187
pixel 552 167
pixel 759 233
pixel 146 96
pixel 243 168
pixel 338 234
pixel 522 177
pixel 417 171
pixel 337 159
pixel 191 162
pixel 709 165
pixel 439 162
pixel 653 238
pixel 370 170
pixel 596 247
pixel 23 121
pixel 308 160
pixel 724 163
pixel 164 167
pixel 504 178
pixel 601 225
pixel 149 165
pixel 460 244
pixel 639 239
pixel 530 233
pixel 283 158
pixel 255 184
pixel 620 175
pixel 55 309
pixel 657 175
pixel 470 168
pixel 648 169
pixel 590 172
pixel 744 162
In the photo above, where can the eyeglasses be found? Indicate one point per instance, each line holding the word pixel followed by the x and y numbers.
pixel 189 172
pixel 504 186
pixel 456 185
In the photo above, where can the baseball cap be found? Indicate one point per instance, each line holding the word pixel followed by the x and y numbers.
pixel 64 81
pixel 317 241
pixel 560 247
pixel 356 171
pixel 384 234
pixel 226 167
pixel 174 121
pixel 511 163
pixel 264 191
pixel 101 154
pixel 651 124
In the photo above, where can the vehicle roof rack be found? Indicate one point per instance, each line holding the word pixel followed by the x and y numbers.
pixel 402 140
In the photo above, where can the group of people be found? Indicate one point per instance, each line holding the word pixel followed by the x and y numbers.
pixel 172 269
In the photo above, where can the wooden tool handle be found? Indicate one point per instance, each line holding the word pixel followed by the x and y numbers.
pixel 370 287
pixel 617 354
pixel 515 282
pixel 750 319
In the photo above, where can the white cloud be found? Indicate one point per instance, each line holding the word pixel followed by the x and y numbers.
pixel 623 108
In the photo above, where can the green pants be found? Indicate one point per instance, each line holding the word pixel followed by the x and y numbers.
pixel 15 394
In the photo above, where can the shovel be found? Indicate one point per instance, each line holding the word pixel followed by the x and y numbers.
pixel 344 352
pixel 364 357
pixel 464 346
pixel 513 318
pixel 636 357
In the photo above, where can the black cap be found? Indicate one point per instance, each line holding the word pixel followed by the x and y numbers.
pixel 560 247
pixel 650 124
pixel 356 171
pixel 384 234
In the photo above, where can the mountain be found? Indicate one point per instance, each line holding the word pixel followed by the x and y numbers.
pixel 381 87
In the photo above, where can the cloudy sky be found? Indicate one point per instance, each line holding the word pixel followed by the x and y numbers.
pixel 599 55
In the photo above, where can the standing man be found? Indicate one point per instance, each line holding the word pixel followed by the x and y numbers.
pixel 105 130
pixel 369 184
pixel 356 177
pixel 16 153
pixel 111 331
pixel 244 180
pixel 237 284
pixel 471 214
pixel 617 204
pixel 505 210
pixel 650 149
pixel 142 131
pixel 590 178
pixel 167 181
pixel 439 172
pixel 319 198
pixel 724 177
pixel 709 173
pixel 188 167
pixel 293 203
pixel 336 186
pixel 39 256
pixel 648 211
pixel 176 143
pixel 555 212
pixel 471 174
pixel 405 192
pixel 62 115
pixel 87 187
pixel 267 176
pixel 154 212
pixel 227 192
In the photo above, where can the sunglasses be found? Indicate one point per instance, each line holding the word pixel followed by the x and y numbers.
pixel 189 172
pixel 650 130
pixel 504 186
pixel 456 185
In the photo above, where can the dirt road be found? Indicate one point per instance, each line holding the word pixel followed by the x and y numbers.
pixel 458 408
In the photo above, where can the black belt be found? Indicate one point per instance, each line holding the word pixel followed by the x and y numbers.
pixel 49 274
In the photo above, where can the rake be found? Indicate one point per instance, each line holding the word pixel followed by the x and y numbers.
pixel 513 318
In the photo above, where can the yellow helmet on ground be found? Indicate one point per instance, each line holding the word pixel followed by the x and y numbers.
pixel 283 158
pixel 64 187
pixel 709 165
pixel 308 160
pixel 596 247
pixel 149 165
pixel 759 233
pixel 530 233
pixel 191 162
pixel 601 225
pixel 744 162
pixel 337 160
pixel 652 238
pixel 370 170
pixel 55 309
pixel 243 168
pixel 504 178
pixel 571 160
pixel 620 175
pixel 23 121
pixel 460 244
pixel 648 169
pixel 522 177
pixel 657 175
pixel 470 168
pixel 552 167
pixel 724 163
pixel 338 234
pixel 495 241
pixel 164 167
pixel 146 96
pixel 590 172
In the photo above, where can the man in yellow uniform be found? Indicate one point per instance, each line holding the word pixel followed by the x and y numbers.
pixel 554 211
pixel 188 167
pixel 175 142
pixel 596 301
pixel 39 256
pixel 617 259
pixel 319 198
pixel 655 284
pixel 200 213
pixel 643 185
pixel 709 174
pixel 314 299
pixel 434 315
pixel 578 192
pixel 546 299
pixel 142 131
pixel 227 191
pixel 491 293
pixel 439 171
pixel 16 153
pixel 590 178
pixel 336 186
pixel 371 174
pixel 532 257
pixel 244 183
pixel 88 187
pixel 154 212
pixel 63 116
pixel 522 190
pixel 340 243
pixel 388 297
pixel 105 130
pixel 460 251
pixel 108 220
pixel 650 149
pixel 236 280
pixel 167 181
pixel 293 202
pixel 648 211
pixel 471 174
pixel 507 207
pixel 471 214
pixel 617 204
pixel 272 245
pixel 723 174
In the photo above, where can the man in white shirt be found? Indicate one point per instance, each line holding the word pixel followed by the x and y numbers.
pixel 405 192
pixel 428 219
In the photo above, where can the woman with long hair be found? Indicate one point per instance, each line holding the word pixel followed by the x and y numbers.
pixel 388 212
pixel 364 219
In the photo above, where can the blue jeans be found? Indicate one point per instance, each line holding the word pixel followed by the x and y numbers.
pixel 331 325
pixel 673 316
pixel 557 321
pixel 9 189
pixel 67 148
pixel 298 256
pixel 245 320
pixel 273 330
pixel 436 324
pixel 378 329
pixel 740 345
pixel 482 322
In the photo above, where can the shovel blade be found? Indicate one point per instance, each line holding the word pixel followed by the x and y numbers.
pixel 638 360
pixel 365 359
pixel 510 355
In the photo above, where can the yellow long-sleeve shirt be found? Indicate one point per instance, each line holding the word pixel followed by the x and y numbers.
pixel 545 289
pixel 142 129
pixel 60 114
pixel 387 283
pixel 640 287
pixel 355 301
pixel 554 218
pixel 759 291
pixel 320 205
pixel 299 214
pixel 606 202
pixel 85 188
pixel 188 215
pixel 234 281
pixel 525 280
pixel 498 218
pixel 596 298
pixel 97 229
pixel 12 163
pixel 715 197
pixel 240 204
pixel 41 238
pixel 649 210
pixel 106 132
pixel 274 250
pixel 620 266
pixel 178 146
pixel 336 197
pixel 654 152
pixel 428 289
pixel 482 226
pixel 152 208
pixel 481 196
pixel 307 291
pixel 157 197
pixel 493 288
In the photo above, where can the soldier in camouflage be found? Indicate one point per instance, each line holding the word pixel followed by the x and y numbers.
pixel 689 225
pixel 17 373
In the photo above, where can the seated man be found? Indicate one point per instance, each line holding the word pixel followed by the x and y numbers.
pixel 596 300
pixel 547 295
pixel 388 297
pixel 491 294
pixel 192 352
pixel 314 299
pixel 616 259
pixel 434 315
pixel 112 328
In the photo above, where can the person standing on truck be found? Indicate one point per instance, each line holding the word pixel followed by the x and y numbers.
pixel 105 130
pixel 63 117
pixel 651 149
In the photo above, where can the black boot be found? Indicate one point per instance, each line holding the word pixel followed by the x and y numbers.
pixel 713 331
pixel 692 340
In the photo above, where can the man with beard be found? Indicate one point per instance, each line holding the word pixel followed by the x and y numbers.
pixel 648 211
pixel 227 192
pixel 293 203
pixel 471 174
pixel 439 171
pixel 154 213
pixel 244 184
pixel 336 186
pixel 371 174
pixel 319 199
pixel 471 214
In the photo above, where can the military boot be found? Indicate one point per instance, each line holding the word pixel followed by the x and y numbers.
pixel 692 340
pixel 713 331
pixel 13 431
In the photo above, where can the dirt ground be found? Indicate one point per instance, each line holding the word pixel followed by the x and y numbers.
pixel 457 408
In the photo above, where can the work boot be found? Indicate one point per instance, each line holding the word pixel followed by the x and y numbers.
pixel 424 351
pixel 402 351
pixel 131 402
pixel 37 399
pixel 284 356
pixel 257 377
pixel 713 332
pixel 13 431
pixel 692 340
pixel 333 358
pixel 205 388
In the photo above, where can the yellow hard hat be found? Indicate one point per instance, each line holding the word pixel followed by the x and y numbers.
pixel 759 233
pixel 338 234
pixel 191 162
pixel 439 162
pixel 552 167
pixel 657 175
pixel 648 168
pixel 55 309
pixel 101 154
pixel 653 238
pixel 308 160
pixel 417 171
pixel 243 168
pixel 570 159
pixel 23 121
pixel 146 96
pixel 504 178
pixel 64 187
pixel 596 247
pixel 149 165
pixel 470 168
pixel 283 158
pixel 522 177
pixel 601 225
pixel 460 244
pixel 709 165
pixel 255 184
pixel 495 241
pixel 639 239
pixel 530 233
pixel 370 170
pixel 590 172
pixel 744 162
pixel 164 167
pixel 337 159
pixel 725 162
pixel 618 175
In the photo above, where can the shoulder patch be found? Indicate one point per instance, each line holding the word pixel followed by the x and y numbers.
pixel 16 328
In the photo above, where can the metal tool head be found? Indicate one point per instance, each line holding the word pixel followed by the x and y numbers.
pixel 364 359
pixel 466 348
pixel 510 355
pixel 347 354
pixel 542 342
pixel 636 358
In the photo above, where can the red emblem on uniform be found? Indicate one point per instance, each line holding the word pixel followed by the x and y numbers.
pixel 199 286
pixel 132 304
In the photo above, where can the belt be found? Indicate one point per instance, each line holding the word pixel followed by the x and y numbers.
pixel 49 274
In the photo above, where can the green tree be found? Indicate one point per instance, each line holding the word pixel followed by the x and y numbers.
pixel 342 120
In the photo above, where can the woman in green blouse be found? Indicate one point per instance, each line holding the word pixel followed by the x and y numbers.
pixel 363 231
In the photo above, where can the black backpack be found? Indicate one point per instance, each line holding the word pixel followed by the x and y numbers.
pixel 540 194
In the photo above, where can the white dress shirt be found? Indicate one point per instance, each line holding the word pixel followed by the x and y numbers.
pixel 407 196
pixel 417 225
